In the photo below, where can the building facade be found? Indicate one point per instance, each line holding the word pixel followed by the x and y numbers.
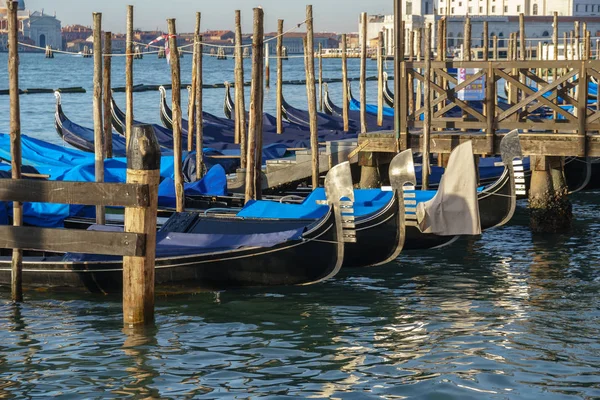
pixel 38 28
pixel 566 8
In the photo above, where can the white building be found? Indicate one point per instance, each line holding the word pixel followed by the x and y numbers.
pixel 567 8
pixel 502 17
pixel 42 29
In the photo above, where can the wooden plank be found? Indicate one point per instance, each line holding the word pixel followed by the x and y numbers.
pixel 72 240
pixel 62 192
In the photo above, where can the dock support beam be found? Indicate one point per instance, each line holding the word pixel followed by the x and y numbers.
pixel 550 210
pixel 143 167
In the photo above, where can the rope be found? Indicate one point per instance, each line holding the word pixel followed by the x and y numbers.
pixel 74 54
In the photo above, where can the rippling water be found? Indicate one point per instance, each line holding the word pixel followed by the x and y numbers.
pixel 510 315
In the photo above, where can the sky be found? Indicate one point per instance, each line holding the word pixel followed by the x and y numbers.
pixel 329 15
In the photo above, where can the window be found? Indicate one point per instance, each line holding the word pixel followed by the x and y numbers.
pixel 452 10
pixel 518 9
pixel 442 10
pixel 409 8
pixel 545 34
pixel 493 9
pixel 470 10
pixel 480 10
pixel 505 9
pixel 535 9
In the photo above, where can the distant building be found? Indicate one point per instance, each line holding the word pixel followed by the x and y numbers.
pixel 566 8
pixel 294 41
pixel 41 29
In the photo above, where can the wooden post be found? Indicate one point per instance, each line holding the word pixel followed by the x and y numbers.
pixel 267 67
pixel 176 107
pixel 106 81
pixel 279 76
pixel 363 73
pixel 427 117
pixel 143 167
pixel 467 50
pixel 192 98
pixel 418 51
pixel 577 53
pixel 345 99
pixel 240 102
pixel 495 44
pixel 254 161
pixel 486 41
pixel 312 96
pixel 398 62
pixel 320 77
pixel 129 75
pixel 199 110
pixel 15 143
pixel 380 80
pixel 523 55
pixel 97 103
pixel 411 81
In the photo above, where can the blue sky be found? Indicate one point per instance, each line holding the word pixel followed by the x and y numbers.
pixel 330 15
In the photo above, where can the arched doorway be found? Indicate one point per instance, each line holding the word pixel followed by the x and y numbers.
pixel 42 40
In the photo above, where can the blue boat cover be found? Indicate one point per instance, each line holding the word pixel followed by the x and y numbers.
pixel 174 244
pixel 371 109
pixel 366 201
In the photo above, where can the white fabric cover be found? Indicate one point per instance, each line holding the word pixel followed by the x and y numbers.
pixel 454 210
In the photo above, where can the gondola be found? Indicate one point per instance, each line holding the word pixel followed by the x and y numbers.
pixel 80 137
pixel 388 96
pixel 497 202
pixel 190 253
pixel 378 218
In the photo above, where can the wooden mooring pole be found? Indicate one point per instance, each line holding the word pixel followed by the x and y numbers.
pixel 345 99
pixel 380 79
pixel 240 103
pixel 312 96
pixel 129 75
pixel 363 73
pixel 192 97
pixel 106 81
pixel 427 117
pixel 199 110
pixel 279 111
pixel 320 77
pixel 267 67
pixel 176 107
pixel 254 161
pixel 15 143
pixel 97 105
pixel 143 167
pixel 398 61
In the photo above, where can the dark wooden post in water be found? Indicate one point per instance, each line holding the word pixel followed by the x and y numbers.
pixel 427 117
pixel 363 73
pixel 129 76
pixel 143 167
pixel 320 77
pixel 398 62
pixel 312 96
pixel 15 143
pixel 345 98
pixel 267 67
pixel 199 107
pixel 253 168
pixel 240 103
pixel 97 103
pixel 192 97
pixel 106 81
pixel 380 79
pixel 176 106
pixel 279 76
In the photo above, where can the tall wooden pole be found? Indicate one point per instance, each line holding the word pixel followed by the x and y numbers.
pixel 254 161
pixel 279 76
pixel 129 76
pixel 267 67
pixel 192 99
pixel 411 84
pixel 495 51
pixel 143 167
pixel 240 102
pixel 320 77
pixel 106 81
pixel 15 143
pixel 523 55
pixel 345 100
pixel 427 117
pixel 199 110
pixel 97 105
pixel 486 41
pixel 398 60
pixel 312 96
pixel 577 41
pixel 176 106
pixel 363 73
pixel 380 79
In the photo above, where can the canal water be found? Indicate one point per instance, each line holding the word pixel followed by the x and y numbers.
pixel 508 315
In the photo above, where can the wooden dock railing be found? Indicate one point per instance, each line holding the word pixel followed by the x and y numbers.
pixel 137 243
